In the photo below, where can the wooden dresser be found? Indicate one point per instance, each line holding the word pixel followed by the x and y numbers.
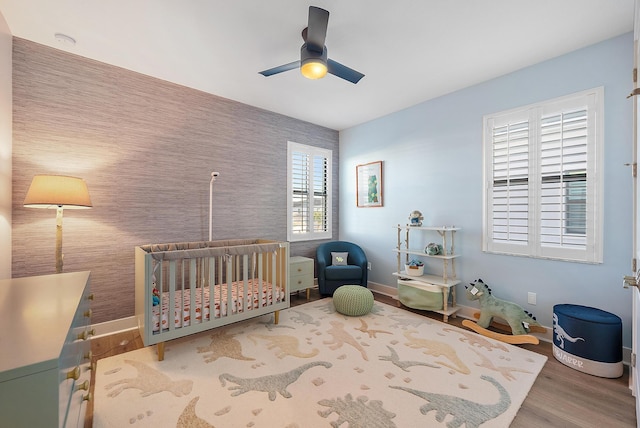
pixel 45 356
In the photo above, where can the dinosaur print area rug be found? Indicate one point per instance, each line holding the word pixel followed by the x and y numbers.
pixel 318 368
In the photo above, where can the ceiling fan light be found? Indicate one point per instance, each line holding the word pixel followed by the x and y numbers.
pixel 313 69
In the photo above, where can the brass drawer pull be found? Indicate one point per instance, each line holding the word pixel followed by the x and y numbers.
pixel 88 313
pixel 85 334
pixel 74 374
pixel 90 296
pixel 88 355
pixel 87 397
pixel 83 386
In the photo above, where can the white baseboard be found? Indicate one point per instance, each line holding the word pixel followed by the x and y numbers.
pixel 116 326
pixel 383 289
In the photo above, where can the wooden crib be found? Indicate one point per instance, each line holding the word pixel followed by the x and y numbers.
pixel 188 287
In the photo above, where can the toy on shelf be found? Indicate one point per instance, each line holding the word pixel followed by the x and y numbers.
pixel 434 249
pixel 415 218
pixel 414 268
pixel 521 323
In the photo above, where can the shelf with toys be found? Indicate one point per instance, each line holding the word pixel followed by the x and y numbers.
pixel 434 291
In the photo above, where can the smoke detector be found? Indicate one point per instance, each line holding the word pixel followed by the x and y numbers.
pixel 65 40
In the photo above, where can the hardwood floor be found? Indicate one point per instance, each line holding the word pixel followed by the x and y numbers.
pixel 560 396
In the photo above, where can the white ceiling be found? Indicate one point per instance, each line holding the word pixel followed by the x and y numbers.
pixel 409 50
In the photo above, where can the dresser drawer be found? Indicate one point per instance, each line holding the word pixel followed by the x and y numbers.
pixel 301 268
pixel 301 282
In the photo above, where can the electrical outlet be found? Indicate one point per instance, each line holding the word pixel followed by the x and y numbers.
pixel 531 298
pixel 368 265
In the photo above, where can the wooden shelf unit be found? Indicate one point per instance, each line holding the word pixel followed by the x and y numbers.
pixel 445 281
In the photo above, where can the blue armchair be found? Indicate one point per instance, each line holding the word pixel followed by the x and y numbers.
pixel 334 272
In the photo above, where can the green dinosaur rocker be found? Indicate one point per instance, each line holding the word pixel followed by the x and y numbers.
pixel 490 306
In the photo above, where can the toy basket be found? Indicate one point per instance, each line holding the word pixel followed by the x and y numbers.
pixel 414 270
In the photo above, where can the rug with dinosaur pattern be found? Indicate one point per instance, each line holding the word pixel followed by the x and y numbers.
pixel 318 368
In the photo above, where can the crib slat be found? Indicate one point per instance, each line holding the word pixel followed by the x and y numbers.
pixel 259 278
pixel 228 285
pixel 221 264
pixel 160 288
pixel 180 287
pixel 212 294
pixel 203 286
pixel 274 282
pixel 247 297
pixel 172 295
pixel 192 291
pixel 236 286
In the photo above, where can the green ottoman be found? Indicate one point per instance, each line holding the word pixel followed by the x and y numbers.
pixel 353 300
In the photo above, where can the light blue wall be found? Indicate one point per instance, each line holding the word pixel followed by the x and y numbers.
pixel 432 162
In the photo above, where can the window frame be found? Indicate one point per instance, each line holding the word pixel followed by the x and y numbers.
pixel 592 101
pixel 311 151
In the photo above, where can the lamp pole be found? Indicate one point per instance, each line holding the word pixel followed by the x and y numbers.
pixel 59 255
pixel 213 178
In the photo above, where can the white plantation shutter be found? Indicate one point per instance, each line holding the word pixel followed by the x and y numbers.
pixel 300 180
pixel 309 192
pixel 510 198
pixel 563 168
pixel 542 194
pixel 320 192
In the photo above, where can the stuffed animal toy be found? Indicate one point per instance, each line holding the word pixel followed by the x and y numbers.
pixel 518 319
pixel 156 296
pixel 433 249
pixel 415 218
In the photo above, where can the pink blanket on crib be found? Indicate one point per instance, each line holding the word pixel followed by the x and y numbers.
pixel 182 306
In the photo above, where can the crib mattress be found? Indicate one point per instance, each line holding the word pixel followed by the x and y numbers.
pixel 181 313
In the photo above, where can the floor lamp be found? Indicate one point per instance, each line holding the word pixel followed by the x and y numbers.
pixel 59 192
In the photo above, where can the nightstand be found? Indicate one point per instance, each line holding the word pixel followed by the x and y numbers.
pixel 300 274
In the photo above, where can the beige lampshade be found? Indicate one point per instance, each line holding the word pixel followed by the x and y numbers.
pixel 52 191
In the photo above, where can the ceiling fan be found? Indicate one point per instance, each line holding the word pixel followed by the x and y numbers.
pixel 314 63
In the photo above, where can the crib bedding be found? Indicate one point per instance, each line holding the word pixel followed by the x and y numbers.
pixel 181 312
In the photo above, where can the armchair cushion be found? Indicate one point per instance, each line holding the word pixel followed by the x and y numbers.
pixel 343 272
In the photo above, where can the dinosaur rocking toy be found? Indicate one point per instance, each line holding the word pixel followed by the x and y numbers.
pixel 520 321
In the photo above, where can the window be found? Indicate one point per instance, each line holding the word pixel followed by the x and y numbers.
pixel 543 179
pixel 308 192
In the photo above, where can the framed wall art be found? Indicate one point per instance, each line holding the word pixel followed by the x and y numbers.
pixel 369 184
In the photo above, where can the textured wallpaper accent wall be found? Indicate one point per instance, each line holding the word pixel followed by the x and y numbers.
pixel 146 149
